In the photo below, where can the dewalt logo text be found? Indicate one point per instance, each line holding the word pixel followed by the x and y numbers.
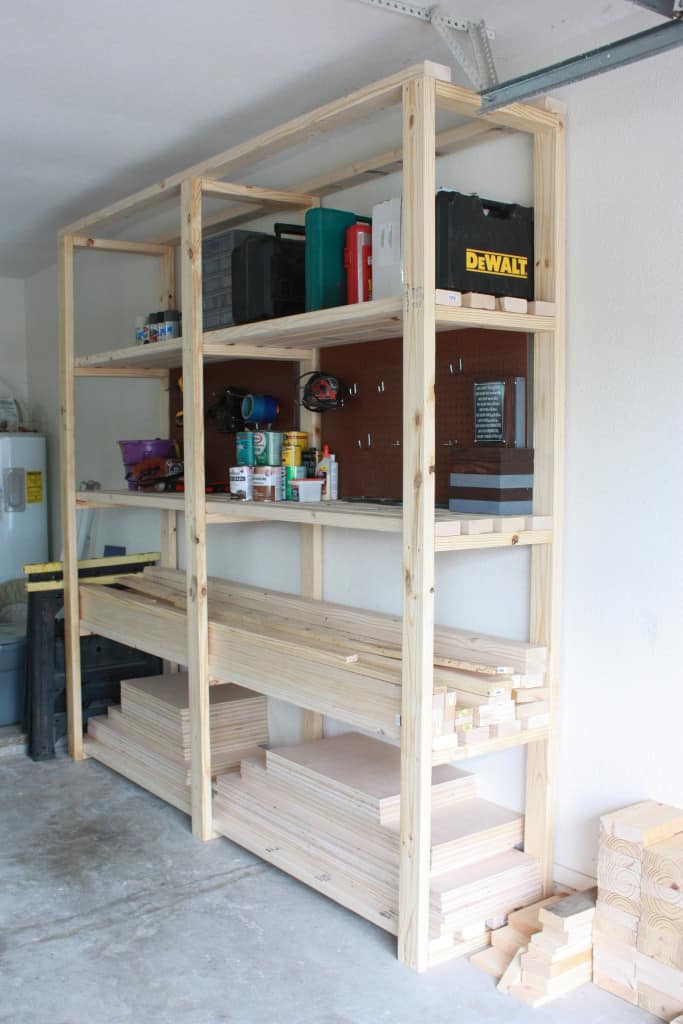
pixel 502 264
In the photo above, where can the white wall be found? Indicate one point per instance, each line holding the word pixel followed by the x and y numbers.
pixel 621 695
pixel 622 692
pixel 13 378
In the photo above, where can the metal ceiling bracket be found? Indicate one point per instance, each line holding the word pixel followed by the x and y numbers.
pixel 482 70
pixel 483 54
pixel 585 65
pixel 423 13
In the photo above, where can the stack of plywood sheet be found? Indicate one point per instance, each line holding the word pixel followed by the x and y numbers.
pixel 147 739
pixel 638 938
pixel 327 812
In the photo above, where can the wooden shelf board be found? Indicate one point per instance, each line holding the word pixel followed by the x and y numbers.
pixel 519 739
pixel 293 337
pixel 449 527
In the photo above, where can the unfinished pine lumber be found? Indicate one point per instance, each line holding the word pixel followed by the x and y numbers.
pixel 638 938
pixel 328 813
pixel 329 658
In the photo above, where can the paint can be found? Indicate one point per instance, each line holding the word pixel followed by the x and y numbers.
pixel 291 455
pixel 259 408
pixel 242 482
pixel 295 437
pixel 267 447
pixel 293 473
pixel 244 440
pixel 268 483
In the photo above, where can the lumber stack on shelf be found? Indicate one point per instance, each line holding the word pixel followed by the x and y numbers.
pixel 330 658
pixel 147 738
pixel 638 939
pixel 327 812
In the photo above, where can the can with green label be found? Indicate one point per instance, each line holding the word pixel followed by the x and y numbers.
pixel 293 473
pixel 267 447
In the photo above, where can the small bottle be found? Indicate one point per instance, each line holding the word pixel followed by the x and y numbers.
pixel 327 468
pixel 141 330
pixel 153 327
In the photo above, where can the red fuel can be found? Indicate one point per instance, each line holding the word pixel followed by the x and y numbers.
pixel 357 261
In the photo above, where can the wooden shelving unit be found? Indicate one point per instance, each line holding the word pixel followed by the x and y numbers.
pixel 183 635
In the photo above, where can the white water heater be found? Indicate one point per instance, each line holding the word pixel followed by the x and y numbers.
pixel 23 502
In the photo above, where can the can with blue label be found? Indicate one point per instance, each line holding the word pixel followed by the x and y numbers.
pixel 245 448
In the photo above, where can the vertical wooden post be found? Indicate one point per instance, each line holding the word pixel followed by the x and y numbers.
pixel 418 518
pixel 195 505
pixel 311 541
pixel 549 364
pixel 169 517
pixel 72 640
pixel 167 289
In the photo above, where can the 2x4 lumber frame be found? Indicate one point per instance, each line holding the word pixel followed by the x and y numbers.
pixel 72 640
pixel 419 369
pixel 549 373
pixel 518 116
pixel 117 245
pixel 389 161
pixel 336 114
pixel 195 505
pixel 311 544
pixel 255 194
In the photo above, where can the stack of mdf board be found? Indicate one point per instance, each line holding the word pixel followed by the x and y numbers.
pixel 148 737
pixel 327 812
pixel 638 939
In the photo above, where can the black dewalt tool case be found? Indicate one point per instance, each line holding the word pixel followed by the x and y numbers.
pixel 484 246
pixel 269 275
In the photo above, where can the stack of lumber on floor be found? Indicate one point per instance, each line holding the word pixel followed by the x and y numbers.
pixel 638 939
pixel 559 957
pixel 327 657
pixel 327 812
pixel 147 739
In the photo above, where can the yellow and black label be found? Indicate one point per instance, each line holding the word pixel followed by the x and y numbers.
pixel 34 487
pixel 501 264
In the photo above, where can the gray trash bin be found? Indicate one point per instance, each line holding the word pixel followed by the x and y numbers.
pixel 12 672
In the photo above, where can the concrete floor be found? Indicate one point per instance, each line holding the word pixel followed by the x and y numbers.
pixel 110 912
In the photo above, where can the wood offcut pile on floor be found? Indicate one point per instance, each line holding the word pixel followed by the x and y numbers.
pixel 327 812
pixel 147 738
pixel 332 658
pixel 638 935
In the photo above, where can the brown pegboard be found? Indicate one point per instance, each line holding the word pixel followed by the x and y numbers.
pixel 374 470
pixel 256 376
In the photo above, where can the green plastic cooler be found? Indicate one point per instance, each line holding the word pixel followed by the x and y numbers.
pixel 325 240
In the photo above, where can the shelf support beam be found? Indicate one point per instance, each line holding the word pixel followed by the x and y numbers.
pixel 549 370
pixel 419 355
pixel 195 506
pixel 311 544
pixel 72 638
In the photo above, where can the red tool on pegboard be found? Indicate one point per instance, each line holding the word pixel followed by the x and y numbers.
pixel 358 261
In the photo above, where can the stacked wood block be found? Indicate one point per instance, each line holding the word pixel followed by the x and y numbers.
pixel 638 937
pixel 327 812
pixel 559 957
pixel 147 739
pixel 481 707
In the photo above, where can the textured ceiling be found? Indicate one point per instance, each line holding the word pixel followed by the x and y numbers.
pixel 100 99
